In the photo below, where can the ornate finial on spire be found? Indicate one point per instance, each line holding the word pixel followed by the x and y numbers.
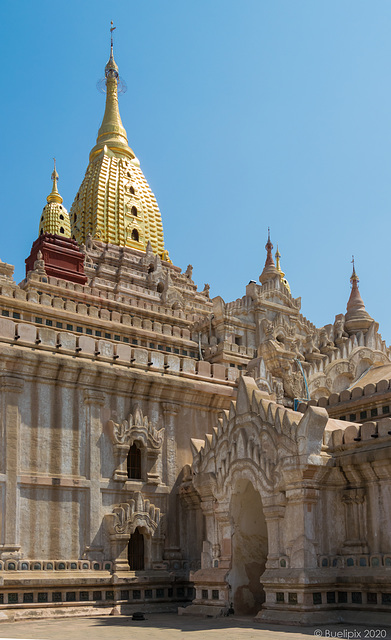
pixel 54 196
pixel 111 35
pixel 269 248
pixel 354 275
pixel 111 68
pixel 112 133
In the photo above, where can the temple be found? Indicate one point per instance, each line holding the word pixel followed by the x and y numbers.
pixel 162 450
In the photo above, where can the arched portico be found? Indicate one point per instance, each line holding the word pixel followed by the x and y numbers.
pixel 256 475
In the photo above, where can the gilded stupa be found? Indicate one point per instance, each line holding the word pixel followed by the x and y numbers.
pixel 115 203
pixel 55 218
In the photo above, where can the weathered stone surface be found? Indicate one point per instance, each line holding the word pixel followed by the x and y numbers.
pixel 219 371
pixel 7 328
pixel 27 332
pixel 124 352
pixel 48 337
pixel 188 365
pixel 204 369
pixel 67 340
pixel 86 344
pixel 105 348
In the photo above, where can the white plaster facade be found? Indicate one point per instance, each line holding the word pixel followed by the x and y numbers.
pixel 274 512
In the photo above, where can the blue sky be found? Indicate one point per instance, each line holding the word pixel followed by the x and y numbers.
pixel 244 114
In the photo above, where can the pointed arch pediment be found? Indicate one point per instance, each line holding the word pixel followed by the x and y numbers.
pixel 128 516
pixel 136 428
pixel 258 436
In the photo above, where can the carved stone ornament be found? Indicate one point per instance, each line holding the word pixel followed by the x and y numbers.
pixel 173 298
pixel 136 429
pixel 354 500
pixel 138 512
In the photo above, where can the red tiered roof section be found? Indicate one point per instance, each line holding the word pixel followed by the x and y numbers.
pixel 62 256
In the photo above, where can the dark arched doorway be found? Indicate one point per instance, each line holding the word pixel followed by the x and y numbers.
pixel 134 462
pixel 249 548
pixel 136 551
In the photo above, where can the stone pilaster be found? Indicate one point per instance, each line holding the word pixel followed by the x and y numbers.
pixel 355 521
pixel 93 401
pixel 11 387
pixel 274 516
pixel 302 545
pixel 119 550
pixel 172 548
pixel 222 548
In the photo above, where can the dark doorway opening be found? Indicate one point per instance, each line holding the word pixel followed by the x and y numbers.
pixel 136 551
pixel 134 462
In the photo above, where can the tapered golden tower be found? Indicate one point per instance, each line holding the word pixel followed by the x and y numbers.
pixel 55 218
pixel 115 203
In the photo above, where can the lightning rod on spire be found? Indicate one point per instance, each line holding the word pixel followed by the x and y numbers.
pixel 111 33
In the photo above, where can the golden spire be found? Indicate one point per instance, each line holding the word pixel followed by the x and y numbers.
pixel 112 133
pixel 54 196
pixel 277 256
pixel 55 218
pixel 284 281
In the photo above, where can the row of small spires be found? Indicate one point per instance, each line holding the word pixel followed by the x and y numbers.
pixel 356 318
pixel 355 308
pixel 271 269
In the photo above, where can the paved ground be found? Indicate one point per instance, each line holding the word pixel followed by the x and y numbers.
pixel 173 627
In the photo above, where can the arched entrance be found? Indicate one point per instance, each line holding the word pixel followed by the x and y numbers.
pixel 249 548
pixel 136 551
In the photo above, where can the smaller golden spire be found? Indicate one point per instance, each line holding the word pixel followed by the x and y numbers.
pixel 280 271
pixel 277 256
pixel 55 218
pixel 54 196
